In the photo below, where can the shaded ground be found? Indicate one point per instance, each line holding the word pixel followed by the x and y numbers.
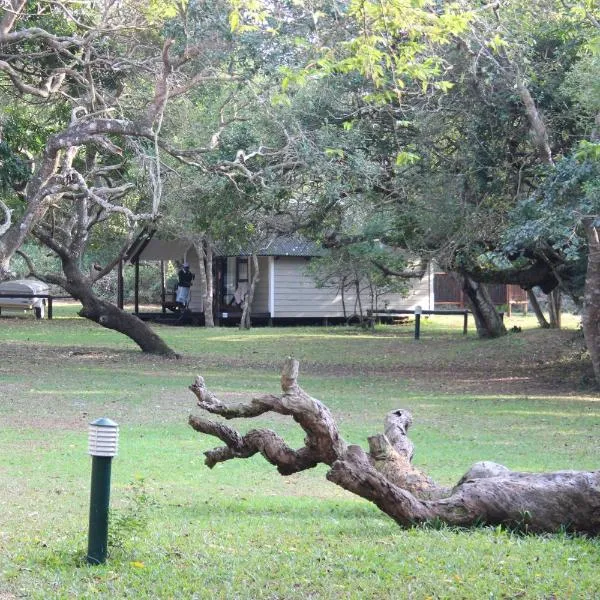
pixel 534 362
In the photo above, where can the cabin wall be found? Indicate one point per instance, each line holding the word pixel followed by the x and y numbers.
pixel 296 294
pixel 448 292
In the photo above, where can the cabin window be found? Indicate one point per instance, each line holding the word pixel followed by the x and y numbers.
pixel 241 266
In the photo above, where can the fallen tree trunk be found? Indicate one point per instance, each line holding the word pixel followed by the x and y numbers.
pixel 487 494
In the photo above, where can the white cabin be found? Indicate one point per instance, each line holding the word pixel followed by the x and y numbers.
pixel 285 291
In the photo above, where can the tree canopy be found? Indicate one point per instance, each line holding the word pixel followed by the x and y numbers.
pixel 462 132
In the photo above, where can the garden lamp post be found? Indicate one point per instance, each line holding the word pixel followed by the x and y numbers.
pixel 102 445
pixel 418 311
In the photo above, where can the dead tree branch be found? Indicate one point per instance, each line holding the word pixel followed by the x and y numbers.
pixel 487 494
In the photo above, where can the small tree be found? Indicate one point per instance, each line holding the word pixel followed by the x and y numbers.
pixel 358 270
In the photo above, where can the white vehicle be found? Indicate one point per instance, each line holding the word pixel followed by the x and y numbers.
pixel 22 287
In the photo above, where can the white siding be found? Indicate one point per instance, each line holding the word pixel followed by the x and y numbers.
pixel 230 280
pixel 261 291
pixel 419 294
pixel 296 294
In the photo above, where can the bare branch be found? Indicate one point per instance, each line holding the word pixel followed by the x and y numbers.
pixel 263 441
pixel 49 87
pixel 406 274
pixel 115 261
pixel 98 195
pixel 488 493
pixel 7 218
pixel 12 10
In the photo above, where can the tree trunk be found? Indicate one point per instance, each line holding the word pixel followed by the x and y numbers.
pixel 342 287
pixel 358 300
pixel 487 494
pixel 5 272
pixel 535 305
pixel 203 249
pixel 245 321
pixel 110 316
pixel 554 308
pixel 487 320
pixel 209 315
pixel 591 301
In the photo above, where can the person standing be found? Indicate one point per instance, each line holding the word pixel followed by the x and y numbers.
pixel 185 278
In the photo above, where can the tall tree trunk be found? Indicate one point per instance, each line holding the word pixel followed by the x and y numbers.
pixel 245 321
pixel 554 308
pixel 537 309
pixel 487 320
pixel 358 299
pixel 209 320
pixel 5 272
pixel 591 301
pixel 488 493
pixel 203 249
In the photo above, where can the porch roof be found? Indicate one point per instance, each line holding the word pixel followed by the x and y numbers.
pixel 176 249
pixel 289 245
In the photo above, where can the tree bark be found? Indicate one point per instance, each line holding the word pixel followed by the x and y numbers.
pixel 110 316
pixel 538 126
pixel 105 313
pixel 554 308
pixel 487 320
pixel 245 321
pixel 591 301
pixel 204 252
pixel 487 494
pixel 535 305
pixel 209 315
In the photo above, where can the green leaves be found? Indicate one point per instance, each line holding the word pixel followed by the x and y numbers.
pixel 553 216
pixel 406 158
pixel 334 152
pixel 588 151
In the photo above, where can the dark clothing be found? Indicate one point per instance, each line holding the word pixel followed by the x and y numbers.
pixel 185 278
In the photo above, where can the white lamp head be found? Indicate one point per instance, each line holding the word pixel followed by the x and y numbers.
pixel 103 437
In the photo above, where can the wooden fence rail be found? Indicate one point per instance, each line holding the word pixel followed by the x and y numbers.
pixel 390 314
pixel 373 315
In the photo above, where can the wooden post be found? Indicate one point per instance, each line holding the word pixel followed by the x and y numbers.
pixel 49 307
pixel 162 287
pixel 465 322
pixel 120 291
pixel 137 287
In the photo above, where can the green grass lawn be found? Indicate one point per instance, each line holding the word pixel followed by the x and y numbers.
pixel 180 530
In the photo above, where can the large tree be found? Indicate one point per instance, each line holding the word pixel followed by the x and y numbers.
pixel 439 173
pixel 96 82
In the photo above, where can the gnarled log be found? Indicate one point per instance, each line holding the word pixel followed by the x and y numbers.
pixel 488 493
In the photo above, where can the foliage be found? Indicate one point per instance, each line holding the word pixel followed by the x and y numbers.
pixel 352 268
pixel 130 522
pixel 553 216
